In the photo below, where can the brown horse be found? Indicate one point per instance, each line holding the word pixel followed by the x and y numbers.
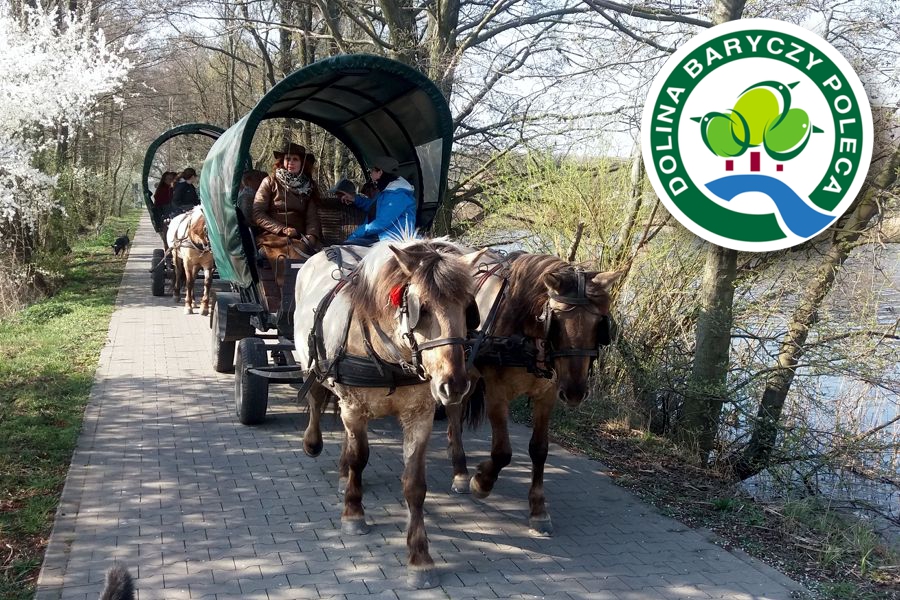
pixel 189 243
pixel 550 321
pixel 387 339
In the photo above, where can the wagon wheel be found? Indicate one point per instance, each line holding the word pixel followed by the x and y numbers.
pixel 158 273
pixel 251 392
pixel 222 351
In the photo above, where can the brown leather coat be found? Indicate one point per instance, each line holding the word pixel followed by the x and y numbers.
pixel 276 208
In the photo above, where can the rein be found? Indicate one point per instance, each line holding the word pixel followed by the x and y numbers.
pixel 521 351
pixel 181 238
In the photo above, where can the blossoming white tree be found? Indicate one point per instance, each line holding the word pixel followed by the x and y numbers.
pixel 54 69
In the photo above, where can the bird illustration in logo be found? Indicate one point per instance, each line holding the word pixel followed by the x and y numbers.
pixel 758 118
pixel 763 116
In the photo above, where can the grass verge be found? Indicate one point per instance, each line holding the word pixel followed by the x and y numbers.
pixel 48 355
pixel 831 554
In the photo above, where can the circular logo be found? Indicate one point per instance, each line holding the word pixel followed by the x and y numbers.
pixel 757 135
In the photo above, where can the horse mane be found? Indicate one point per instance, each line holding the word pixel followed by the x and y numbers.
pixel 527 293
pixel 441 280
pixel 197 229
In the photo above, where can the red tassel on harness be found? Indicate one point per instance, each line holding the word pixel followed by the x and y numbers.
pixel 397 295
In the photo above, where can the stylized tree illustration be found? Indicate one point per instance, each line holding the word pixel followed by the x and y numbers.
pixel 758 118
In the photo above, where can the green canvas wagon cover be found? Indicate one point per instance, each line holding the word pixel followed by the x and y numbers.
pixel 210 131
pixel 375 106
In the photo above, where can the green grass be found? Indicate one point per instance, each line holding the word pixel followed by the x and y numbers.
pixel 839 539
pixel 48 355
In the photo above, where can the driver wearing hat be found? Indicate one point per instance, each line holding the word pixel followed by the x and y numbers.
pixel 286 207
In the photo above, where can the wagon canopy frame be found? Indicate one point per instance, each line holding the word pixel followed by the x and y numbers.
pixel 205 129
pixel 373 105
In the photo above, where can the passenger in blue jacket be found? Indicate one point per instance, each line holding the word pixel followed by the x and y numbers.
pixel 395 204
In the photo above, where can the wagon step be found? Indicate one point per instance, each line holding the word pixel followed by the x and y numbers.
pixel 283 374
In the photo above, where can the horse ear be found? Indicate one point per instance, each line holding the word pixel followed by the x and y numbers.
pixel 605 280
pixel 553 282
pixel 406 260
pixel 473 258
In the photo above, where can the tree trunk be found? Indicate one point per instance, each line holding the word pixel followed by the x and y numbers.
pixel 624 242
pixel 443 22
pixel 399 15
pixel 703 404
pixel 706 389
pixel 758 452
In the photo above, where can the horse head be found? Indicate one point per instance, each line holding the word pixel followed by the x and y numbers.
pixel 575 322
pixel 423 299
pixel 197 231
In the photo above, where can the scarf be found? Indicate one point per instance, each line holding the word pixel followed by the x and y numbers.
pixel 297 183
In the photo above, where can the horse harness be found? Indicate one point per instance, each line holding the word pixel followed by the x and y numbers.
pixel 183 239
pixel 371 370
pixel 523 351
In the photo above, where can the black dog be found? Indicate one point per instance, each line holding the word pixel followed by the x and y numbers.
pixel 119 585
pixel 121 244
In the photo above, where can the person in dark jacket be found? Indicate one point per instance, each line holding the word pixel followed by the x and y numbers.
pixel 184 196
pixel 286 209
pixel 395 204
pixel 250 182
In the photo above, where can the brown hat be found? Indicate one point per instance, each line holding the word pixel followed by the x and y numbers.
pixel 293 149
pixel 386 164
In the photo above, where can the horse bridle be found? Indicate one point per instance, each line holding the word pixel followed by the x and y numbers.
pixel 579 299
pixel 180 241
pixel 403 316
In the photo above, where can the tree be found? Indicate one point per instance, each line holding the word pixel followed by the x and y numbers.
pixel 40 93
pixel 757 453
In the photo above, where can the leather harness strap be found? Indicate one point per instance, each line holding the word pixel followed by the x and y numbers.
pixel 371 370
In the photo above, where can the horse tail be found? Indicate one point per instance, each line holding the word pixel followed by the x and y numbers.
pixel 119 585
pixel 474 410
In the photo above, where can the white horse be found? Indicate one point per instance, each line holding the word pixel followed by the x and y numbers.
pixel 189 243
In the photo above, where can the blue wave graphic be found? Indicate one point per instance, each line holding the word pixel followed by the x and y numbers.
pixel 801 218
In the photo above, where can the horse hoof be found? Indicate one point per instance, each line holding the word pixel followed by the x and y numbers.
pixel 204 312
pixel 476 489
pixel 354 527
pixel 541 527
pixel 189 311
pixel 313 450
pixel 460 485
pixel 422 579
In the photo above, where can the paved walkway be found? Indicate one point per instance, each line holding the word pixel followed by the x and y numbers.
pixel 166 481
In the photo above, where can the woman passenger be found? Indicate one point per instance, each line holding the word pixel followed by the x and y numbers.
pixel 286 209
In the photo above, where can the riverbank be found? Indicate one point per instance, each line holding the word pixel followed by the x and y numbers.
pixel 830 553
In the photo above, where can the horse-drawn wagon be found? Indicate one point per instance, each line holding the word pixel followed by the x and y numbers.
pixel 395 334
pixel 373 106
pixel 161 267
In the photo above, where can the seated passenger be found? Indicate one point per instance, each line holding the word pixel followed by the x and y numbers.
pixel 395 204
pixel 163 194
pixel 184 196
pixel 250 181
pixel 286 208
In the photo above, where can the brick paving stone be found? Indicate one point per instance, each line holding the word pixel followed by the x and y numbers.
pixel 166 481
